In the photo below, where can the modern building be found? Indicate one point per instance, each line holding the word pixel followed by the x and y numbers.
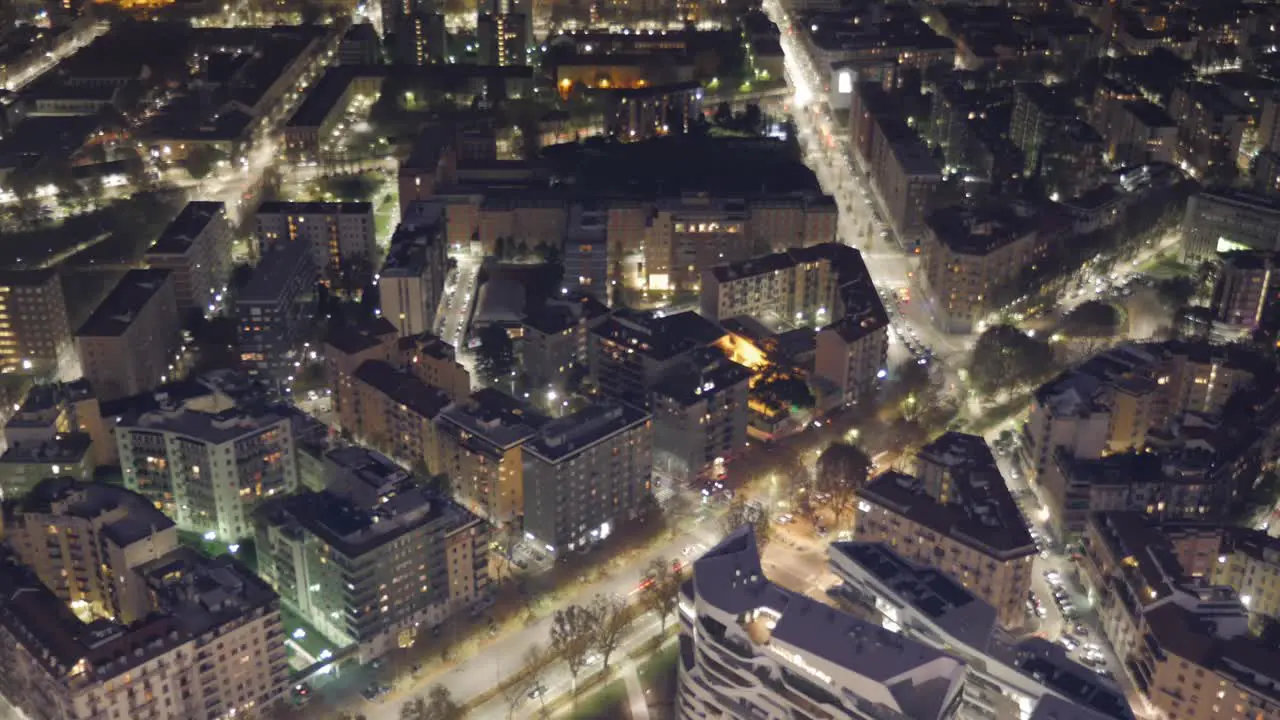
pixel 751 648
pixel 395 412
pixel 1141 132
pixel 375 558
pixel 957 516
pixel 340 234
pixel 503 38
pixel 631 351
pixel 970 255
pixel 1006 677
pixel 54 409
pixel 586 250
pixel 33 310
pixel 482 451
pixel 1211 128
pixel 25 463
pixel 700 416
pixel 586 475
pixel 905 176
pixel 196 249
pixel 1224 219
pixel 128 344
pixel 801 285
pixel 554 338
pixel 411 281
pixel 853 354
pixel 208 470
pixel 212 646
pixel 275 311
pixel 1245 292
pixel 85 541
pixel 1183 641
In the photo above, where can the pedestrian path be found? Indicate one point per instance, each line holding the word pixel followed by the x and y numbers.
pixel 635 693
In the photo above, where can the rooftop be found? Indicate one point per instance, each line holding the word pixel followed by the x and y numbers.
pixel 351 338
pixel 979 231
pixel 209 427
pixel 182 232
pixel 205 593
pixel 565 437
pixel 67 448
pixel 64 496
pixel 492 421
pixel 283 207
pixel 130 296
pixel 709 373
pixel 270 279
pixel 403 387
pixel 660 338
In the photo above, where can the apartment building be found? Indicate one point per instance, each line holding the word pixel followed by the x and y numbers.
pixel 1113 401
pixel 554 337
pixel 700 416
pixel 340 234
pixel 375 558
pixel 502 38
pixel 196 249
pixel 1248 561
pixel 482 452
pixel 208 470
pixel 1225 219
pixel 345 348
pixel 586 474
pixel 411 281
pixel 1183 640
pixel 798 285
pixel 631 351
pixel 969 255
pixel 128 344
pixel 1211 127
pixel 275 311
pixel 1246 290
pixel 395 412
pixel 751 648
pixel 1141 132
pixel 586 250
pixel 56 409
pixel 24 464
pixel 212 646
pixel 689 234
pixel 85 541
pixel 435 362
pixel 904 175
pixel 955 515
pixel 1005 677
pixel 34 330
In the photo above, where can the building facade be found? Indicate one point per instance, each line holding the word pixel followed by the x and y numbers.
pixel 196 249
pixel 34 312
pixel 275 311
pixel 127 345
pixel 411 281
pixel 340 235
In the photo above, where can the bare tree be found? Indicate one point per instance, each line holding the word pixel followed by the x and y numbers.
pixel 441 705
pixel 528 680
pixel 572 634
pixel 740 513
pixel 613 619
pixel 843 469
pixel 662 589
pixel 415 709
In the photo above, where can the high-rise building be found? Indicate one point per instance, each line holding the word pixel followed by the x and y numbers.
pixel 275 310
pixel 196 248
pixel 421 39
pixel 503 38
pixel 1226 219
pixel 395 412
pixel 86 541
pixel 700 416
pixel 411 281
pixel 751 648
pixel 127 345
pixel 208 470
pixel 482 451
pixel 586 474
pixel 212 647
pixel 34 313
pixel 410 559
pixel 554 338
pixel 341 234
pixel 956 515
pixel 631 351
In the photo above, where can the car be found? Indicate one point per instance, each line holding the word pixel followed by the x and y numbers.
pixel 378 663
pixel 784 519
pixel 374 691
pixel 1081 630
pixel 1053 576
pixel 1040 611
pixel 537 691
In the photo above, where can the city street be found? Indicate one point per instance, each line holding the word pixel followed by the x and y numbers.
pixel 455 308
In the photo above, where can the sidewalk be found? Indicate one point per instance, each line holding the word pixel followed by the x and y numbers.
pixel 635 693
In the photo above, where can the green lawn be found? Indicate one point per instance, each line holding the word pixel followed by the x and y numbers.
pixel 658 678
pixel 314 643
pixel 609 701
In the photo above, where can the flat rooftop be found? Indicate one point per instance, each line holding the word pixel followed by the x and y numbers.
pixel 64 496
pixel 282 207
pixel 566 437
pixel 271 277
pixel 178 237
pixel 424 400
pixel 122 305
pixel 216 428
pixel 493 418
pixel 660 338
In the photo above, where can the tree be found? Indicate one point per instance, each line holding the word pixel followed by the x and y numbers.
pixel 724 114
pixel 1176 291
pixel 201 160
pixel 613 618
pixel 1092 319
pixel 662 589
pixel 528 680
pixel 740 513
pixel 1005 356
pixel 496 355
pixel 842 470
pixel 573 631
pixel 914 389
pixel 441 705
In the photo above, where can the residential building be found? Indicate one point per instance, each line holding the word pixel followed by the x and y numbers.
pixel 395 412
pixel 1244 559
pixel 375 558
pixel 208 470
pixel 1006 677
pixel 1245 291
pixel 56 409
pixel 482 452
pixel 586 474
pixel 904 175
pixel 435 362
pixel 85 541
pixel 34 311
pixel 1211 127
pixel 196 249
pixel 1183 641
pixel 751 648
pixel 1141 132
pixel 24 464
pixel 970 255
pixel 699 416
pixel 212 646
pixel 345 348
pixel 128 344
pixel 421 39
pixel 554 337
pixel 1037 112
pixel 1224 219
pixel 411 281
pixel 853 354
pixel 643 113
pixel 956 515
pixel 503 38
pixel 275 311
pixel 340 234
pixel 586 251
pixel 631 351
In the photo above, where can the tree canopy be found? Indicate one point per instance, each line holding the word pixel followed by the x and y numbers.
pixel 1005 356
pixel 1094 318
